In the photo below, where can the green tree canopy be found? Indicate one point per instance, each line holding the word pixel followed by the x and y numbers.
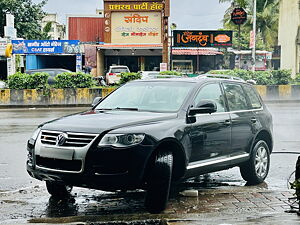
pixel 28 16
pixel 267 22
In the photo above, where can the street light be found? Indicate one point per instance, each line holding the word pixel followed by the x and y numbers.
pixel 172 27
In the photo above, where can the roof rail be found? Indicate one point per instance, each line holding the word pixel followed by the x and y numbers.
pixel 222 76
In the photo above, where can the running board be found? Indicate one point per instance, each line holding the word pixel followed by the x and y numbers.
pixel 202 164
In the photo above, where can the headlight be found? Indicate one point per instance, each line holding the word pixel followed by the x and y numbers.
pixel 35 134
pixel 121 140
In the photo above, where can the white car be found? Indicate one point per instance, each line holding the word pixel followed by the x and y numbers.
pixel 149 74
pixel 113 75
pixel 2 84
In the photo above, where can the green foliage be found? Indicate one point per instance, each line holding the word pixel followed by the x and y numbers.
pixel 26 81
pixel 46 30
pixel 28 16
pixel 73 80
pixel 273 77
pixel 170 73
pixel 125 77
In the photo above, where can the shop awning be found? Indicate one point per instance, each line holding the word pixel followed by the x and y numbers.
pixel 130 46
pixel 196 52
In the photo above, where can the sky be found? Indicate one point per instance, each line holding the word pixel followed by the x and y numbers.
pixel 187 14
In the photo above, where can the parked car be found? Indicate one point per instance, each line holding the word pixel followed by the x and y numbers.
pixel 51 71
pixel 113 74
pixel 154 75
pixel 3 84
pixel 148 134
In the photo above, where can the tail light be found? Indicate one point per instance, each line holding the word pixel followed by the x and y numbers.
pixel 111 74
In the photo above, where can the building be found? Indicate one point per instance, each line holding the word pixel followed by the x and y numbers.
pixel 289 35
pixel 57 31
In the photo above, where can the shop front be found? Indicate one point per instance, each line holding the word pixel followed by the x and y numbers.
pixel 135 35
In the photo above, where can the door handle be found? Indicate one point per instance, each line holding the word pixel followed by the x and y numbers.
pixel 227 122
pixel 253 120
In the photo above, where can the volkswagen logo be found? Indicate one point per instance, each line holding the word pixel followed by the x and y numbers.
pixel 61 139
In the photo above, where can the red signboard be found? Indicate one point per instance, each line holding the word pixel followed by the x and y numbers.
pixel 238 16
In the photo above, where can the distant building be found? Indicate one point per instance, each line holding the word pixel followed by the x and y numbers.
pixel 57 31
pixel 289 35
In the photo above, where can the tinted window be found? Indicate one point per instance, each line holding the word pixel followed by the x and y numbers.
pixel 235 97
pixel 119 70
pixel 211 92
pixel 149 96
pixel 253 97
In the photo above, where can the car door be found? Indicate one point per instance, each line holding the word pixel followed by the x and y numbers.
pixel 242 118
pixel 211 133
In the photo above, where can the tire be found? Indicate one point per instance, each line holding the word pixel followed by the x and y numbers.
pixel 257 168
pixel 159 182
pixel 58 190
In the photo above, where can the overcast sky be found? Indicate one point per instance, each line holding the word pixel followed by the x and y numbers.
pixel 187 14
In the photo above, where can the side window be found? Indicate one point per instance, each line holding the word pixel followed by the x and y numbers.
pixel 253 97
pixel 211 92
pixel 236 97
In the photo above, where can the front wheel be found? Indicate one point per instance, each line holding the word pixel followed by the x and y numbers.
pixel 257 168
pixel 58 190
pixel 159 183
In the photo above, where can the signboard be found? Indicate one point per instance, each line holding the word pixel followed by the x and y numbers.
pixel 46 47
pixel 163 67
pixel 3 44
pixel 238 16
pixel 252 43
pixel 139 27
pixel 200 39
pixel 134 6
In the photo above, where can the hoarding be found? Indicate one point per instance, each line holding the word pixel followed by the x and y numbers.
pixel 198 39
pixel 136 27
pixel 46 47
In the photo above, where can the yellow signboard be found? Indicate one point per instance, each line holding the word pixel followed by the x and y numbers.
pixel 136 27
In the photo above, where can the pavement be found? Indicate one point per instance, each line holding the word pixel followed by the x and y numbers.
pixel 223 205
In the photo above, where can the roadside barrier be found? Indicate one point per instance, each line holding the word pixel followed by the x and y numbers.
pixel 85 96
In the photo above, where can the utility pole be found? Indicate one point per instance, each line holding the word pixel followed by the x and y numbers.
pixel 254 35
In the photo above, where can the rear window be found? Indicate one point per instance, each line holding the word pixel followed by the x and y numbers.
pixel 119 70
pixel 255 102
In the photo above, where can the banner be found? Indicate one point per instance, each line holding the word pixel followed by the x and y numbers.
pixel 46 47
pixel 198 39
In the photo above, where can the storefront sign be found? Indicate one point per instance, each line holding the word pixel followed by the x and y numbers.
pixel 239 16
pixel 46 47
pixel 163 67
pixel 132 28
pixel 127 6
pixel 3 44
pixel 202 38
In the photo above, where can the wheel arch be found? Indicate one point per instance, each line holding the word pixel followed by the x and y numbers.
pixel 179 157
pixel 265 136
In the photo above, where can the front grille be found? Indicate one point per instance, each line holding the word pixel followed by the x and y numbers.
pixel 59 164
pixel 73 139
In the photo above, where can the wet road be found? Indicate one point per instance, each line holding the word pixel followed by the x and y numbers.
pixel 16 126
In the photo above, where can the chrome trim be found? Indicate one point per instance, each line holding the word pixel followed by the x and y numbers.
pixel 61 171
pixel 198 164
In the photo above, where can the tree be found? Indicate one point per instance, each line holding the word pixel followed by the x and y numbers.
pixel 28 16
pixel 267 21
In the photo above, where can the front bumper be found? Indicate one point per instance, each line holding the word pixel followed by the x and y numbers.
pixel 103 168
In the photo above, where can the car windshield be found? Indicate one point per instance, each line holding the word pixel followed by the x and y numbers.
pixel 119 70
pixel 148 96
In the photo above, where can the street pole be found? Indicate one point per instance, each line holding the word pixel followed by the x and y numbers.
pixel 254 35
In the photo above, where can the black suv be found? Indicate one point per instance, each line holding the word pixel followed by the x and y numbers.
pixel 150 133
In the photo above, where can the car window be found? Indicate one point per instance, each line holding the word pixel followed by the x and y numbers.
pixel 149 96
pixel 119 70
pixel 253 97
pixel 211 92
pixel 236 97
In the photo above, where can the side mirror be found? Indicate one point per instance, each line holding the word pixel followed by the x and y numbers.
pixel 203 107
pixel 96 101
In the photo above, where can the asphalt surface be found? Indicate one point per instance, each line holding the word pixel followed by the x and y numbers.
pixel 22 197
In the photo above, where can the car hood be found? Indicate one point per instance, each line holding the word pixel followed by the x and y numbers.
pixel 98 122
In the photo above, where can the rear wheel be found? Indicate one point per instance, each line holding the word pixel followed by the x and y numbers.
pixel 159 183
pixel 58 190
pixel 257 168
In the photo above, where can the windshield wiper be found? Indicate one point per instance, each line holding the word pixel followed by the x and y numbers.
pixel 126 108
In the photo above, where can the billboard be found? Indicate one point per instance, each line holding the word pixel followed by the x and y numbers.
pixel 136 27
pixel 46 47
pixel 198 39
